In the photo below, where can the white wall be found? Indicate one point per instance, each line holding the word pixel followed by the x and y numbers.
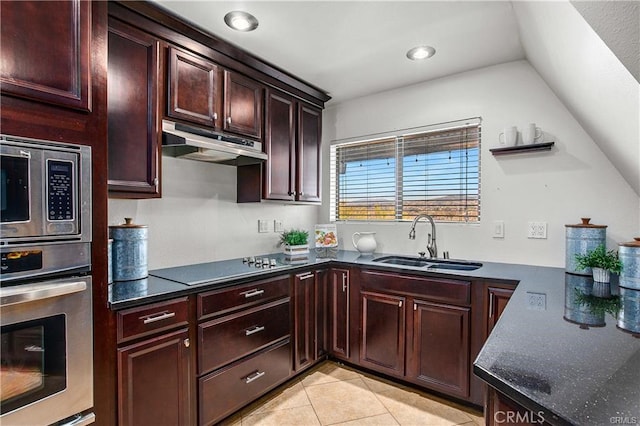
pixel 574 180
pixel 198 220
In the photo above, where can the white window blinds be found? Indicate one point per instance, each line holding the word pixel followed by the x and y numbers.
pixel 395 178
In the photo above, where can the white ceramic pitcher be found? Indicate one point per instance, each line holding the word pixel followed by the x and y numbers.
pixel 365 242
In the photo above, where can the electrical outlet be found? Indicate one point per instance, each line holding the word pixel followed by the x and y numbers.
pixel 537 230
pixel 498 229
pixel 277 226
pixel 536 301
pixel 263 226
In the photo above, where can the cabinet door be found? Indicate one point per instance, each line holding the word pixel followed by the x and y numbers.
pixel 441 347
pixel 194 89
pixel 280 146
pixel 309 138
pixel 46 52
pixel 134 129
pixel 339 313
pixel 243 105
pixel 321 292
pixel 154 381
pixel 498 299
pixel 383 332
pixel 304 320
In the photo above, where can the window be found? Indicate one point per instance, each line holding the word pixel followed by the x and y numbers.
pixel 394 178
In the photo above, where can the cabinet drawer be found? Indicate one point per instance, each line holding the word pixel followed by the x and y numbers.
pixel 223 392
pixel 220 302
pixel 437 289
pixel 152 319
pixel 227 339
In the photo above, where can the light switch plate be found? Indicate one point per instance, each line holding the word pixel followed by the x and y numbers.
pixel 263 226
pixel 498 229
pixel 277 226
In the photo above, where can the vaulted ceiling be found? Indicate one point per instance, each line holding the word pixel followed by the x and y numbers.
pixel 588 54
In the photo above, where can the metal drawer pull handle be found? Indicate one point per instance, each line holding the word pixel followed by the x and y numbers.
pixel 158 317
pixel 305 277
pixel 229 120
pixel 252 293
pixel 253 330
pixel 254 376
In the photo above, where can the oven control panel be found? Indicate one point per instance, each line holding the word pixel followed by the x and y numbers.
pixel 59 190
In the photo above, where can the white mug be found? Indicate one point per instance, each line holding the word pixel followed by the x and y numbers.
pixel 509 136
pixel 532 134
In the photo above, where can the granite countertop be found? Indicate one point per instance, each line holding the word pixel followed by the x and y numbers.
pixel 556 357
pixel 571 361
pixel 165 283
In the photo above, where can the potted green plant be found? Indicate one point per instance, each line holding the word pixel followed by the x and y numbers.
pixel 601 262
pixel 295 242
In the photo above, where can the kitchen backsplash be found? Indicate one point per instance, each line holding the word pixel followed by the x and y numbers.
pixel 198 220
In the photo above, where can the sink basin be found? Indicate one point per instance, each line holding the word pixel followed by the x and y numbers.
pixel 456 266
pixel 403 260
pixel 447 264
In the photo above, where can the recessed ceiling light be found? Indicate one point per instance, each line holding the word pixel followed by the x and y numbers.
pixel 421 52
pixel 241 21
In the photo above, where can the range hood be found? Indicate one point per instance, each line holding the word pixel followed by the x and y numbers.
pixel 196 143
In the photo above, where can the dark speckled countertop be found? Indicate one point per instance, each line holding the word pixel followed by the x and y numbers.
pixel 573 363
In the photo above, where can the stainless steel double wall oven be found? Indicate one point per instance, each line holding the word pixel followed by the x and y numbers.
pixel 46 362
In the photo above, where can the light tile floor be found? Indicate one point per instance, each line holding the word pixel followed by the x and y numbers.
pixel 333 394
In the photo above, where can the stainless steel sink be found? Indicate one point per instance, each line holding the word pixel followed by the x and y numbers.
pixel 447 264
pixel 404 260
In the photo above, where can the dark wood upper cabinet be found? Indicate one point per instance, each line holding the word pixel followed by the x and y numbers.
pixel 133 112
pixel 280 146
pixel 194 89
pixel 441 347
pixel 46 51
pixel 309 155
pixel 243 105
pixel 292 141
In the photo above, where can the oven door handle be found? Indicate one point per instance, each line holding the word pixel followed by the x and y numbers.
pixel 32 292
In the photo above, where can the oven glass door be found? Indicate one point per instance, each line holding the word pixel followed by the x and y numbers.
pixel 33 363
pixel 14 189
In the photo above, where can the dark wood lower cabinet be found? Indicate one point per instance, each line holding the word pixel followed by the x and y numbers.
pixel 440 355
pixel 497 300
pixel 226 390
pixel 383 332
pixel 501 410
pixel 304 323
pixel 155 381
pixel 339 315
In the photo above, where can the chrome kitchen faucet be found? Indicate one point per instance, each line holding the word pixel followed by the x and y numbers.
pixel 431 239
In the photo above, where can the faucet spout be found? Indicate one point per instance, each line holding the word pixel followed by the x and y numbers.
pixel 431 239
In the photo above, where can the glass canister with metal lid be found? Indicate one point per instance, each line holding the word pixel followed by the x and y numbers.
pixel 580 239
pixel 129 251
pixel 629 254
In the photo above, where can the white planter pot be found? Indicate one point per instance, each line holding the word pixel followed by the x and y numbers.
pixel 296 251
pixel 600 275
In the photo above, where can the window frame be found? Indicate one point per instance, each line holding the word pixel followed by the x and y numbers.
pixel 470 202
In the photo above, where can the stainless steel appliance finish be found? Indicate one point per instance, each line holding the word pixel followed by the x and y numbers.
pixel 47 352
pixel 45 216
pixel 196 143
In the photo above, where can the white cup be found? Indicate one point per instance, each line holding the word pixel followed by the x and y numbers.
pixel 509 136
pixel 531 134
